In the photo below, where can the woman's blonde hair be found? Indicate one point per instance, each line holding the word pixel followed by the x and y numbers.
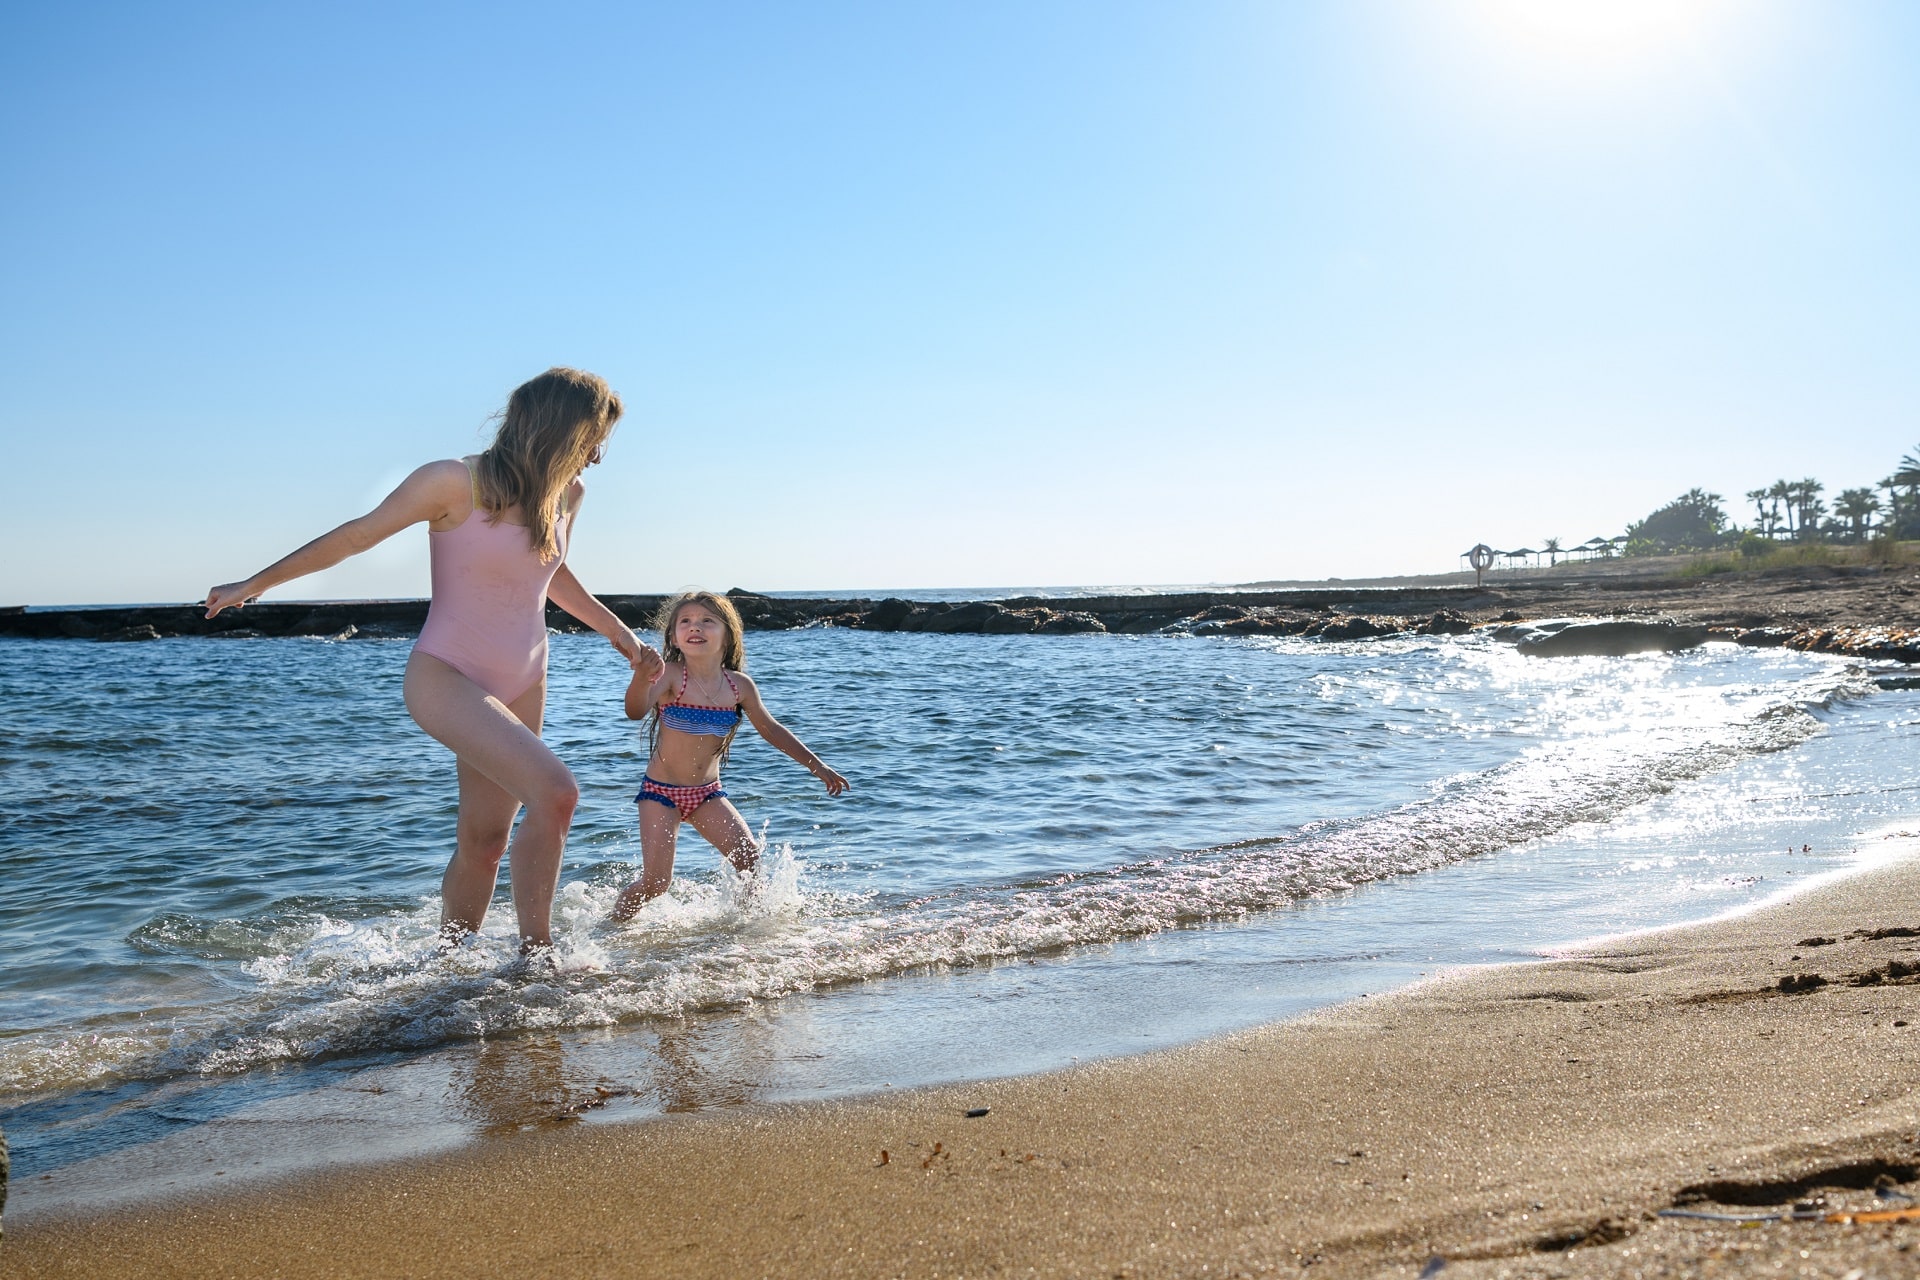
pixel 733 650
pixel 553 426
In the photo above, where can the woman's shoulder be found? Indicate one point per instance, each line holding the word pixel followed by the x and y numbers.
pixel 447 469
pixel 440 492
pixel 446 475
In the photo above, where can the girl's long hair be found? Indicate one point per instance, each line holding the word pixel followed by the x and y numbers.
pixel 733 650
pixel 553 426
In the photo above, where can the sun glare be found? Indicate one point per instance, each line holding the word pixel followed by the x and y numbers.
pixel 1595 34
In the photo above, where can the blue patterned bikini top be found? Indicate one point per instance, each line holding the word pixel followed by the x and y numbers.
pixel 689 717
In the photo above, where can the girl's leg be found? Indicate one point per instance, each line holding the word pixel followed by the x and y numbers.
pixel 501 745
pixel 727 831
pixel 659 833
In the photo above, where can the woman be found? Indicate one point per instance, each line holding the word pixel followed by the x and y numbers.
pixel 499 526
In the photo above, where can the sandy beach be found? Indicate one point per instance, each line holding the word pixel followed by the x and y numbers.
pixel 1526 1120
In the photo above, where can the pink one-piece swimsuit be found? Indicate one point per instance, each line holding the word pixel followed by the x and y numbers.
pixel 488 616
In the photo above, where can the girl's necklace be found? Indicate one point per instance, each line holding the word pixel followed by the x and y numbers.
pixel 704 696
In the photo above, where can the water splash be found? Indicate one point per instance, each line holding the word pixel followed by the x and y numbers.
pixel 369 975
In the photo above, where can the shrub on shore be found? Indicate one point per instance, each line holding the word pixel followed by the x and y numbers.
pixel 1766 556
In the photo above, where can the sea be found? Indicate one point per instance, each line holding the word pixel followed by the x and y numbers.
pixel 223 857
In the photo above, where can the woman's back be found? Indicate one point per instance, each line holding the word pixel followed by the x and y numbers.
pixel 487 618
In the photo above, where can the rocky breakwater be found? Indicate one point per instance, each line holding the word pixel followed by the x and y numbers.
pixel 328 619
pixel 1323 614
pixel 1198 613
pixel 1328 615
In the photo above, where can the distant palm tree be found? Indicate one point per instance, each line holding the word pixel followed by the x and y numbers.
pixel 1552 547
pixel 1856 507
pixel 1780 491
pixel 1758 497
pixel 1811 508
pixel 1907 477
pixel 1804 501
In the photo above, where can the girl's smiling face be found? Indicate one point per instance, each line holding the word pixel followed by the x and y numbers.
pixel 696 630
pixel 702 625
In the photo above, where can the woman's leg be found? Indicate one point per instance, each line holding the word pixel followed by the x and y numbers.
pixel 502 763
pixel 486 821
pixel 727 831
pixel 659 833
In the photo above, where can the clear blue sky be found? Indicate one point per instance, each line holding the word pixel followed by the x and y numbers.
pixel 922 295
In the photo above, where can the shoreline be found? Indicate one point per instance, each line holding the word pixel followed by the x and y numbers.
pixel 1520 1119
pixel 1004 1019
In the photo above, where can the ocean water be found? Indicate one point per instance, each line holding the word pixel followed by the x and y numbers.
pixel 224 855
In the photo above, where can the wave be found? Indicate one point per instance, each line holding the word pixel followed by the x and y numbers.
pixel 366 976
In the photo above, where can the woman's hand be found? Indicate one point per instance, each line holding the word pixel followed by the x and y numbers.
pixel 639 654
pixel 835 783
pixel 231 595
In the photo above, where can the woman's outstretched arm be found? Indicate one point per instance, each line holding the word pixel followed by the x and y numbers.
pixel 437 492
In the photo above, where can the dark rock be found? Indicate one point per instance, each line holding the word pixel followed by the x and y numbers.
pixel 1008 622
pixel 1447 622
pixel 323 622
pixel 1072 622
pixel 1137 624
pixel 924 617
pixel 1762 637
pixel 1515 632
pixel 969 617
pixel 888 615
pixel 72 624
pixel 132 633
pixel 1613 639
pixel 1357 627
pixel 1248 626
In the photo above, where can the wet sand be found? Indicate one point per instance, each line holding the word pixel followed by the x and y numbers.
pixel 1527 1121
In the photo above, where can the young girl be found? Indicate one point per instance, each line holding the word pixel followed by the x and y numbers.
pixel 501 523
pixel 697 704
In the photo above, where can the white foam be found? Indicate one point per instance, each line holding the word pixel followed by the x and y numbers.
pixel 326 986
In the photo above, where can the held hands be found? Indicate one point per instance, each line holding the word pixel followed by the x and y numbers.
pixel 231 595
pixel 640 655
pixel 835 783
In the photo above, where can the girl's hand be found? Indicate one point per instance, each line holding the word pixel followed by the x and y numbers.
pixel 835 783
pixel 230 595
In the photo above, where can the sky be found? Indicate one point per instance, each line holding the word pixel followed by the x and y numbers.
pixel 994 293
